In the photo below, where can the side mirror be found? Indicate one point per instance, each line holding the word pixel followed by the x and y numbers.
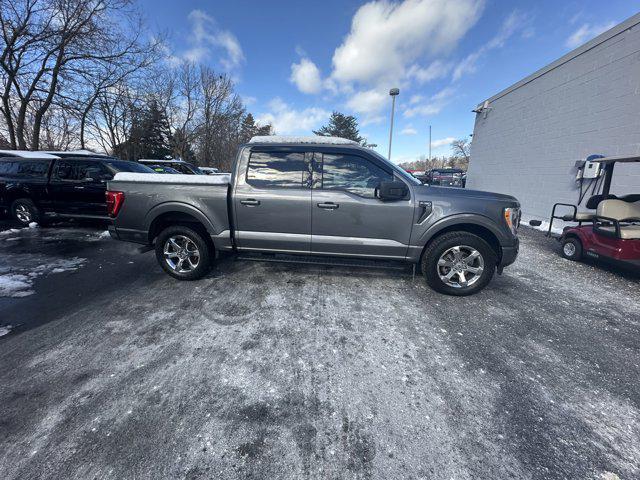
pixel 389 191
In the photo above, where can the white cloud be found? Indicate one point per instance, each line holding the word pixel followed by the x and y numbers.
pixel 436 69
pixel 369 102
pixel 408 130
pixel 586 32
pixel 442 142
pixel 207 37
pixel 514 22
pixel 419 106
pixel 387 38
pixel 248 99
pixel 306 76
pixel 288 120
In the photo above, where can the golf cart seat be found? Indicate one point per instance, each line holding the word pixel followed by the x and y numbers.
pixel 612 212
pixel 582 216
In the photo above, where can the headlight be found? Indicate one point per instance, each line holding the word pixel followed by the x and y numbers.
pixel 512 218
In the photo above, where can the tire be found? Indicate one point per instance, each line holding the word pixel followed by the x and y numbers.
pixel 468 256
pixel 174 257
pixel 24 211
pixel 571 249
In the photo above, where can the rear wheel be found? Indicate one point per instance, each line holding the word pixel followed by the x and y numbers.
pixel 572 249
pixel 25 211
pixel 458 263
pixel 183 253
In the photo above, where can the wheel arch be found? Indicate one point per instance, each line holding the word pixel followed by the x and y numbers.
pixel 174 213
pixel 471 224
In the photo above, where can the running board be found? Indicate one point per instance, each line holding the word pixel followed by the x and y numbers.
pixel 329 261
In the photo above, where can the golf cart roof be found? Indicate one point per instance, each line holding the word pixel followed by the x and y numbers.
pixel 618 159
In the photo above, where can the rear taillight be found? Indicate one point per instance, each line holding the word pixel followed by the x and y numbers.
pixel 114 202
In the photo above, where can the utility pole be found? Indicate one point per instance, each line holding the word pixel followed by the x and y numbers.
pixel 429 143
pixel 394 92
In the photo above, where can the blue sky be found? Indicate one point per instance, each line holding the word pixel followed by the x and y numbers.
pixel 296 61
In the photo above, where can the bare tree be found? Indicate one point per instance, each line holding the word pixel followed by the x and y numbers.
pixel 460 148
pixel 53 52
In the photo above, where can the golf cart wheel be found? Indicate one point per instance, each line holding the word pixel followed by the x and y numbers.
pixel 25 211
pixel 458 263
pixel 572 249
pixel 183 253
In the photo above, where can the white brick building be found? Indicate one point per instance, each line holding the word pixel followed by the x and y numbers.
pixel 587 102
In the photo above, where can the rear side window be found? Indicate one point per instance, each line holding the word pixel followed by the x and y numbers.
pixel 353 174
pixel 277 170
pixel 8 168
pixel 33 168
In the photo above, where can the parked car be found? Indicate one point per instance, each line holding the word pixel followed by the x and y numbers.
pixel 321 196
pixel 179 165
pixel 445 177
pixel 209 170
pixel 163 169
pixel 37 185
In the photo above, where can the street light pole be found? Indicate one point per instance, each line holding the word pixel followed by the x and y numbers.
pixel 429 142
pixel 393 92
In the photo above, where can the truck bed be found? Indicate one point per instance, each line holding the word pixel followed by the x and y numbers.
pixel 148 196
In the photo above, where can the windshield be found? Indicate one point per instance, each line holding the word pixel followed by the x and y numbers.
pixel 126 166
pixel 400 171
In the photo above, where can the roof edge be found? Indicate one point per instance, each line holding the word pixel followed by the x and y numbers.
pixel 594 42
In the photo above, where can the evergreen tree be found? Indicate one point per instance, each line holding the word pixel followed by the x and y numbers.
pixel 155 138
pixel 249 128
pixel 344 126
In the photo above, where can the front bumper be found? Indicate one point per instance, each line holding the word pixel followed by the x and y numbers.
pixel 509 255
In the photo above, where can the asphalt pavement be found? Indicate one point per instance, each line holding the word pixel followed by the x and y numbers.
pixel 111 369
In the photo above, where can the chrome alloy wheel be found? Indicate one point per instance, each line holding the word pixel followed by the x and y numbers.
pixel 181 254
pixel 23 213
pixel 569 249
pixel 460 266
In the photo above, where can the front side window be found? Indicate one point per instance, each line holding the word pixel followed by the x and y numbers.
pixel 65 171
pixel 92 171
pixel 277 170
pixel 353 174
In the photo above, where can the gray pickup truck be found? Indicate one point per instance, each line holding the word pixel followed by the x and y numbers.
pixel 318 196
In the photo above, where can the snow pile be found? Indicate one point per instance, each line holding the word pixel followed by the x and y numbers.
pixel 33 225
pixel 544 226
pixel 222 179
pixel 18 284
pixel 302 139
pixel 10 231
pixel 13 285
pixel 5 330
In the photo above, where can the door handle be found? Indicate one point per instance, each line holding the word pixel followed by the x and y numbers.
pixel 250 202
pixel 328 205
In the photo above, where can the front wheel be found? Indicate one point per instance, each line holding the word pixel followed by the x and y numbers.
pixel 458 263
pixel 183 253
pixel 25 211
pixel 572 249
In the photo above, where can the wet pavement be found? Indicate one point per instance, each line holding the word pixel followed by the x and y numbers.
pixel 112 369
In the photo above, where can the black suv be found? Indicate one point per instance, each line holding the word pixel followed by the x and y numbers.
pixel 38 185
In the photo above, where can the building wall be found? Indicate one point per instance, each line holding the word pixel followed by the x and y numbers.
pixel 587 102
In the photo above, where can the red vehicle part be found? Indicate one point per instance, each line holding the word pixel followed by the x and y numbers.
pixel 596 245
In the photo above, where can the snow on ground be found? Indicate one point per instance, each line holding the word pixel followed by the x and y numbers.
pixel 5 330
pixel 17 281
